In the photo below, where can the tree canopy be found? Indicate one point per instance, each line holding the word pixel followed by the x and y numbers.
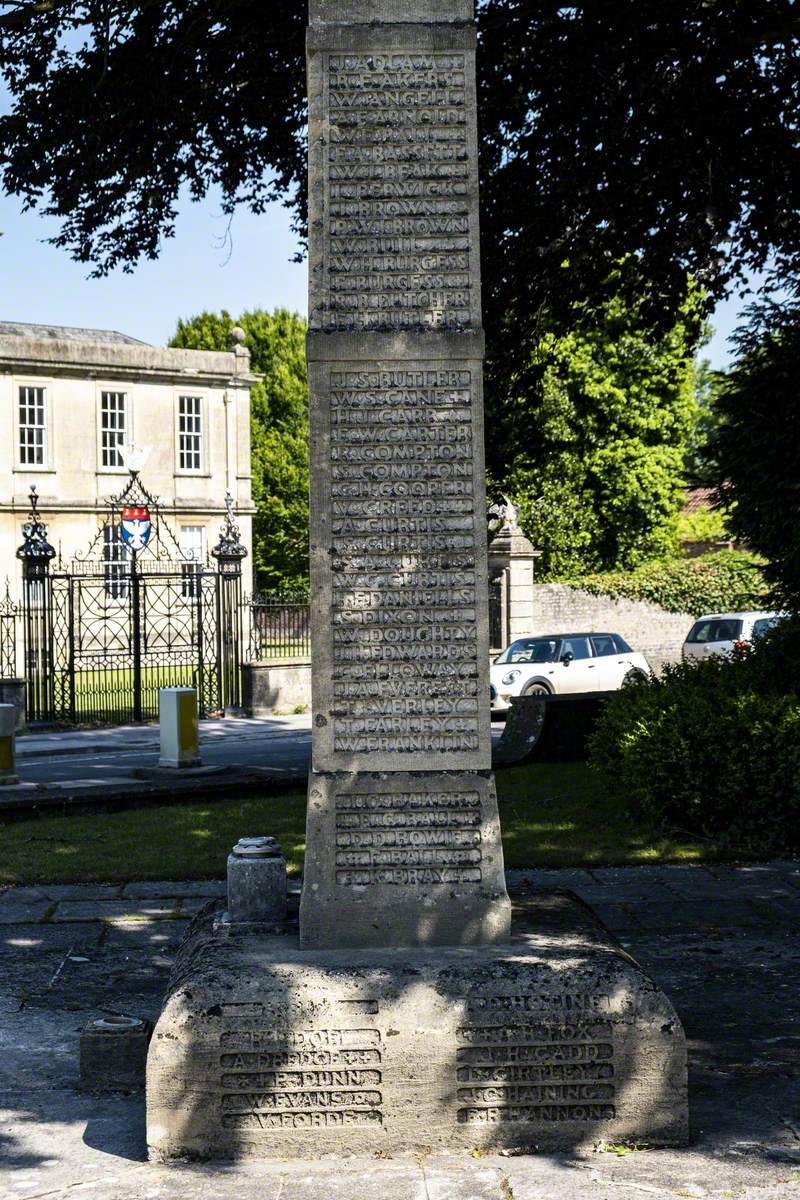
pixel 278 434
pixel 597 430
pixel 665 131
pixel 758 445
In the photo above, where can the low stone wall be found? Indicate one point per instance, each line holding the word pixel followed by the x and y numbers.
pixel 646 627
pixel 276 687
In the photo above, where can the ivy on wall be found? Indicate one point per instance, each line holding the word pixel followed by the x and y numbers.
pixel 726 581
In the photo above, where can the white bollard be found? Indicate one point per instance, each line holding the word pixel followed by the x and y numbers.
pixel 177 715
pixel 8 756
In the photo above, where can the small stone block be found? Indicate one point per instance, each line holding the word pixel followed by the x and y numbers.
pixel 113 1054
pixel 256 882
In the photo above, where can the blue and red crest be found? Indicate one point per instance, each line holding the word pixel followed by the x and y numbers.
pixel 135 527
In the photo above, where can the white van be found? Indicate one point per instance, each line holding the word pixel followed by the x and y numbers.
pixel 718 633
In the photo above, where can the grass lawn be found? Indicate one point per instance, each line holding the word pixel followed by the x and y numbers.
pixel 552 815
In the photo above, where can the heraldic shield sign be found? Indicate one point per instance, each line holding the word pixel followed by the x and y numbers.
pixel 135 527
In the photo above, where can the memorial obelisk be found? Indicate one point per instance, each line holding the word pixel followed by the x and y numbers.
pixel 403 838
pixel 406 1015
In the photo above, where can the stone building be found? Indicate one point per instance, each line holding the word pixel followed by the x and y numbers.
pixel 72 400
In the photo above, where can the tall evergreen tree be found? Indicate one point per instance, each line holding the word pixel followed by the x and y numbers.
pixel 278 434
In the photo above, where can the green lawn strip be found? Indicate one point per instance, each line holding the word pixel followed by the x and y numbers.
pixel 552 815
pixel 178 841
pixel 557 815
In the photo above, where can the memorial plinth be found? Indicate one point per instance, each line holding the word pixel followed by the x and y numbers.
pixel 404 1014
pixel 556 1040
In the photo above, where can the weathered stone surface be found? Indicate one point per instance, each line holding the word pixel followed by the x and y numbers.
pixel 359 1036
pixel 113 1054
pixel 400 631
pixel 557 1039
pixel 403 859
pixel 256 882
pixel 400 636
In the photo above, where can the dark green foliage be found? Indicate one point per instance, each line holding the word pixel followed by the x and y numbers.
pixel 713 746
pixel 278 435
pixel 662 130
pixel 759 445
pixel 728 580
pixel 702 466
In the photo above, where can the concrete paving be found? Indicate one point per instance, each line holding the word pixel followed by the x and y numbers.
pixel 722 941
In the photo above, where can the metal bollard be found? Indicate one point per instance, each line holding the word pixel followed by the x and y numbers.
pixel 256 882
pixel 177 715
pixel 8 755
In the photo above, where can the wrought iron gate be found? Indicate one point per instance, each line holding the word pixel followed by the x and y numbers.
pixel 105 633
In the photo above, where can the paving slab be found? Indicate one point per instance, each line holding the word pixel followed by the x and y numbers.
pixel 200 887
pixel 16 912
pixel 115 910
pixel 145 934
pixel 736 990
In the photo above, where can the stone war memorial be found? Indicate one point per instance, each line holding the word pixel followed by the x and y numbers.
pixel 408 1013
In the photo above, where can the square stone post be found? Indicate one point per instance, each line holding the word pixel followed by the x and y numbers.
pixel 511 556
pixel 403 838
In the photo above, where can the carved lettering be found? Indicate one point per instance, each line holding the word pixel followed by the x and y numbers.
pixel 400 189
pixel 539 1072
pixel 300 1079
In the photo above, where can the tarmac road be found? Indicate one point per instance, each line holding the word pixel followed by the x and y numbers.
pixel 282 743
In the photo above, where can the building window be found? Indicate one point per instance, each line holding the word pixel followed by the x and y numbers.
pixel 190 433
pixel 113 427
pixel 116 564
pixel 32 427
pixel 192 554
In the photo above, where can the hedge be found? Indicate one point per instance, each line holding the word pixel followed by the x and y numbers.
pixel 726 581
pixel 713 746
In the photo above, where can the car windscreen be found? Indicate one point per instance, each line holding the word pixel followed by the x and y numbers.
pixel 531 650
pixel 718 629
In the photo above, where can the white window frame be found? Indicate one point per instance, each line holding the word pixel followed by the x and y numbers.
pixel 116 563
pixel 104 389
pixel 202 433
pixel 192 559
pixel 43 385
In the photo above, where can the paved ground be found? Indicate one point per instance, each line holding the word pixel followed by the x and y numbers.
pixel 101 754
pixel 722 941
pixel 98 765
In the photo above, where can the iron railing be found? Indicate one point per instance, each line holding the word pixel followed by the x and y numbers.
pixel 9 612
pixel 279 626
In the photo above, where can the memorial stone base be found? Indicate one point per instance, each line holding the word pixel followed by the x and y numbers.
pixel 403 858
pixel 555 1040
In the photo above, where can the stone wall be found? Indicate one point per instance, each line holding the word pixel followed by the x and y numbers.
pixel 273 688
pixel 648 628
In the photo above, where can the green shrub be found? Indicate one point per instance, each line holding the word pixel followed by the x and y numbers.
pixel 703 525
pixel 713 746
pixel 725 581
